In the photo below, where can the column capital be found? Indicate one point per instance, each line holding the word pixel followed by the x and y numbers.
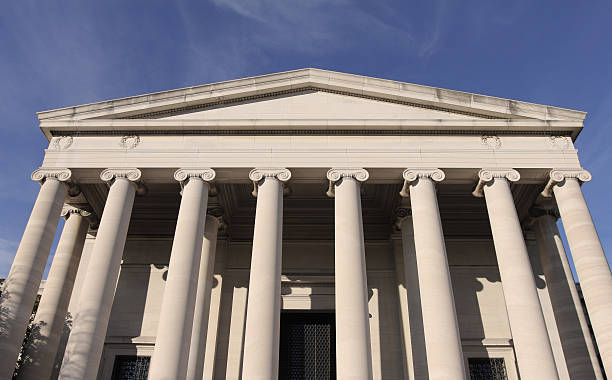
pixel 84 211
pixel 487 175
pixel 401 214
pixel 259 174
pixel 412 175
pixel 336 174
pixel 40 175
pixel 131 174
pixel 556 176
pixel 183 175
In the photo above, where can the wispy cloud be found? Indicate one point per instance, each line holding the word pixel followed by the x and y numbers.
pixel 318 26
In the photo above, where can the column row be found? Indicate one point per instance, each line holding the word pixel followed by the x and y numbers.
pixel 184 306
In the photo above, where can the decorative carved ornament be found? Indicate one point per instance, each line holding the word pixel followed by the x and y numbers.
pixel 257 175
pixel 129 142
pixel 336 174
pixel 131 174
pixel 485 176
pixel 411 175
pixel 559 142
pixel 402 214
pixel 559 175
pixel 63 175
pixel 61 142
pixel 491 141
pixel 184 175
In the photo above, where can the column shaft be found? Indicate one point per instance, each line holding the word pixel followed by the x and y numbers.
pixel 410 303
pixel 262 335
pixel 21 286
pixel 578 349
pixel 353 349
pixel 51 315
pixel 531 344
pixel 86 341
pixel 195 366
pixel 169 361
pixel 442 340
pixel 590 261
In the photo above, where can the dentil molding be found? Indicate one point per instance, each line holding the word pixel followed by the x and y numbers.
pixel 559 175
pixel 257 175
pixel 131 174
pixel 336 174
pixel 411 175
pixel 485 176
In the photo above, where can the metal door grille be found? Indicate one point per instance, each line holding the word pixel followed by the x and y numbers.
pixel 487 369
pixel 131 367
pixel 307 347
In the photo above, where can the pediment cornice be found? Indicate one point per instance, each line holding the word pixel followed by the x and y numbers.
pixel 158 104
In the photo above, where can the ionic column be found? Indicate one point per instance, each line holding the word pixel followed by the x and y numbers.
pixel 440 326
pixel 86 341
pixel 534 354
pixel 573 329
pixel 195 366
pixel 21 286
pixel 262 335
pixel 50 317
pixel 589 258
pixel 173 339
pixel 353 349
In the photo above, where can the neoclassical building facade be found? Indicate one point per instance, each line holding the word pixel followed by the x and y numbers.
pixel 309 225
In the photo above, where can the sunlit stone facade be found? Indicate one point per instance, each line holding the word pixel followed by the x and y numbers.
pixel 408 231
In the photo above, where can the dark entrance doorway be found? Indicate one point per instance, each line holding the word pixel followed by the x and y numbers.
pixel 307 346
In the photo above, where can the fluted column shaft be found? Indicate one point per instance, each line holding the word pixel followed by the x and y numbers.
pixel 353 349
pixel 440 326
pixel 86 341
pixel 195 366
pixel 171 354
pixel 262 334
pixel 573 329
pixel 531 344
pixel 589 258
pixel 51 314
pixel 21 286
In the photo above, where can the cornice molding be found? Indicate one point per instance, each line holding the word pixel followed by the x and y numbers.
pixel 559 175
pixel 131 174
pixel 258 175
pixel 412 175
pixel 40 175
pixel 336 174
pixel 183 175
pixel 485 176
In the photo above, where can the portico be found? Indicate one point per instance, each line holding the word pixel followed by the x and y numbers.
pixel 222 206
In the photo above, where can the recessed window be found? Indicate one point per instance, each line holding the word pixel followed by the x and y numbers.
pixel 131 367
pixel 487 369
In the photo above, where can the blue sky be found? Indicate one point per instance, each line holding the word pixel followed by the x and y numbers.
pixel 68 52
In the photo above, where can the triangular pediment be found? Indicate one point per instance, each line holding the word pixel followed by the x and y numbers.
pixel 311 103
pixel 352 90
